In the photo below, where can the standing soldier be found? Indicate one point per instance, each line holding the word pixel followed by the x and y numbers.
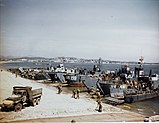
pixel 74 93
pixel 78 91
pixel 98 95
pixel 16 75
pixel 99 105
pixel 59 87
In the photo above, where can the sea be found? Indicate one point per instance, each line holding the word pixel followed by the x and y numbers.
pixel 147 107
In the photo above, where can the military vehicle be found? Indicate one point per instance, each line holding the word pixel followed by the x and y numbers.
pixel 22 96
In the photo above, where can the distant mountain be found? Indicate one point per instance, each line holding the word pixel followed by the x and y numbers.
pixel 67 60
pixel 29 58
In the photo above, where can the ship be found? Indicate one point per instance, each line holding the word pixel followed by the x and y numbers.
pixel 70 76
pixel 128 85
pixel 57 73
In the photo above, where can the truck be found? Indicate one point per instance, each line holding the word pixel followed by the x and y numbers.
pixel 22 96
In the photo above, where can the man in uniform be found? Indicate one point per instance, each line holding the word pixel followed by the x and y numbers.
pixel 78 91
pixel 99 105
pixel 59 87
pixel 98 95
pixel 74 93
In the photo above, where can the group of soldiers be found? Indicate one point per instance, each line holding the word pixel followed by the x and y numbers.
pixel 75 94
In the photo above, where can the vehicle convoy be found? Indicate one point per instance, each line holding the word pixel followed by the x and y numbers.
pixel 22 96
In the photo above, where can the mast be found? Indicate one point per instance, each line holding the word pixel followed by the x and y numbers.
pixel 139 70
pixel 100 63
pixel 141 61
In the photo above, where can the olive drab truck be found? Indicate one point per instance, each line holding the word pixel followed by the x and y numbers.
pixel 22 96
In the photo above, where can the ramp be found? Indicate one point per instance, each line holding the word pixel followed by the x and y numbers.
pixel 61 77
pixel 90 82
pixel 113 101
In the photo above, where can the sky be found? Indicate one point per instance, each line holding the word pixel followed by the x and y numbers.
pixel 110 29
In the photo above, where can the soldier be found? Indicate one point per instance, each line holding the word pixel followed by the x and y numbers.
pixel 99 105
pixel 59 87
pixel 98 95
pixel 78 91
pixel 74 93
pixel 98 102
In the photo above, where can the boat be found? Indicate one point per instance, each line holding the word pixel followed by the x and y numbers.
pixel 57 74
pixel 74 79
pixel 140 87
pixel 110 89
pixel 139 97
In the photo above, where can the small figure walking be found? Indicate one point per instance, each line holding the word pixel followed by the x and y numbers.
pixel 74 93
pixel 99 105
pixel 78 91
pixel 59 87
pixel 98 95
pixel 16 75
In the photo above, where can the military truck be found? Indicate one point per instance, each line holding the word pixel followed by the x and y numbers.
pixel 22 96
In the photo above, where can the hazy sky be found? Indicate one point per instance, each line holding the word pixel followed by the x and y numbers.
pixel 111 29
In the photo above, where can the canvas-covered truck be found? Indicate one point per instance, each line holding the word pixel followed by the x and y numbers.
pixel 22 96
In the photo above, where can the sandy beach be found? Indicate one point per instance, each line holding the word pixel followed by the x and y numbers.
pixel 58 107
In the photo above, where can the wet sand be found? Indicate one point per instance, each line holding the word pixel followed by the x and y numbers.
pixel 58 107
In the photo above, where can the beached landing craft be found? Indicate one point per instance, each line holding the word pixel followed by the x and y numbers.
pixel 128 85
pixel 73 77
pixel 147 85
pixel 57 74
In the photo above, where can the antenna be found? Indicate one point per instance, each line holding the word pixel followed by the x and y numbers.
pixel 141 61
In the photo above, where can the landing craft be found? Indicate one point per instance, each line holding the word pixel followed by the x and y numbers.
pixel 128 85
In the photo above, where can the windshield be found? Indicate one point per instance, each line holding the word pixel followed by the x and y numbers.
pixel 14 96
pixel 17 93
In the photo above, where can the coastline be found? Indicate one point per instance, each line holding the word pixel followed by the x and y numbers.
pixel 54 107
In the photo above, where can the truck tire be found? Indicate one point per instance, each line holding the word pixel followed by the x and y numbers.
pixel 24 99
pixel 3 109
pixel 34 102
pixel 18 107
pixel 37 101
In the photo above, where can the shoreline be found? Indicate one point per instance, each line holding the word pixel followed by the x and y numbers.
pixel 63 108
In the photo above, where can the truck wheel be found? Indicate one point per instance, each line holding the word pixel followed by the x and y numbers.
pixel 3 109
pixel 34 102
pixel 37 101
pixel 18 107
pixel 24 98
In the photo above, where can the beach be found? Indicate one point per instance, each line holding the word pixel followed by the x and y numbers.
pixel 55 107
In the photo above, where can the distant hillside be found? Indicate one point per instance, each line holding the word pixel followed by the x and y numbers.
pixel 67 60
